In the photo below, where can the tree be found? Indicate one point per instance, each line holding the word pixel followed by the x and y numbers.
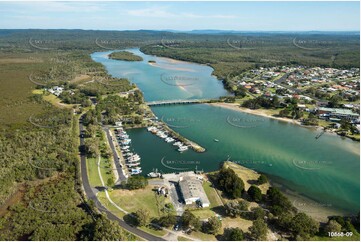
pixel 189 220
pixel 107 230
pixel 257 213
pixel 303 226
pixel 284 112
pixel 334 101
pixel 258 230
pixel 233 234
pixel 255 193
pixel 136 182
pixel 332 226
pixel 110 182
pixel 167 220
pixel 279 202
pixel 262 179
pixel 142 217
pixel 213 225
pixel 230 183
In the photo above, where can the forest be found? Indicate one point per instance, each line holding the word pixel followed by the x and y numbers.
pixel 40 190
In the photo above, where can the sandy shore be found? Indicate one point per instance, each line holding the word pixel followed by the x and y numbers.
pixel 168 67
pixel 259 112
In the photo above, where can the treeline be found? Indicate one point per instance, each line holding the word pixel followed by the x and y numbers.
pixel 114 108
pixel 235 53
pixel 125 55
pixel 274 211
pixel 42 148
pixel 55 211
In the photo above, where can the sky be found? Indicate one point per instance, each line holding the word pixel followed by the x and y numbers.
pixel 242 16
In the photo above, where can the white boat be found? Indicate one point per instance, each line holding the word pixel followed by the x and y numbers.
pixel 154 174
pixel 152 128
pixel 135 171
pixel 182 148
pixel 125 147
pixel 126 141
pixel 133 159
pixel 177 143
pixel 133 164
pixel 169 140
pixel 129 154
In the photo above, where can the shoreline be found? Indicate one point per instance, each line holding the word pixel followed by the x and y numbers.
pixel 259 112
pixel 262 113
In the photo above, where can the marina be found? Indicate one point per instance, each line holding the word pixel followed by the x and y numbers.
pixel 267 147
pixel 132 160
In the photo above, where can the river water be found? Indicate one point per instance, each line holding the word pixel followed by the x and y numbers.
pixel 325 170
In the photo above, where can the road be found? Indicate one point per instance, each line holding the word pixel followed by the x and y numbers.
pixel 120 171
pixel 281 80
pixel 91 195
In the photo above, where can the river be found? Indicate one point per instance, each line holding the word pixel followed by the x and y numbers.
pixel 325 170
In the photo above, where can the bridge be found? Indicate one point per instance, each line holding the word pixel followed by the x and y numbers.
pixel 179 101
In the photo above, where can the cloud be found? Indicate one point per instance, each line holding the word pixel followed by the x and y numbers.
pixel 163 13
pixel 150 12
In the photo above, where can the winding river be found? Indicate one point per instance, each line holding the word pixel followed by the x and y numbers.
pixel 324 170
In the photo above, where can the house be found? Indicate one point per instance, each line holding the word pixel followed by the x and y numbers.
pixel 338 113
pixel 192 191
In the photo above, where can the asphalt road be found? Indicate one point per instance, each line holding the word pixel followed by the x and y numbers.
pixel 121 174
pixel 91 195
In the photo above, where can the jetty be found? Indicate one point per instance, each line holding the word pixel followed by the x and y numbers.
pixel 177 101
pixel 320 134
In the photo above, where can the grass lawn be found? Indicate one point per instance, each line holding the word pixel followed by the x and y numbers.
pixel 204 213
pixel 105 202
pixel 228 222
pixel 106 169
pixel 153 231
pixel 202 236
pixel 247 175
pixel 132 200
pixel 180 238
pixel 212 195
pixel 51 98
pixel 93 174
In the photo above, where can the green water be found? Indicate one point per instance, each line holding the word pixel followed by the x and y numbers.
pixel 324 169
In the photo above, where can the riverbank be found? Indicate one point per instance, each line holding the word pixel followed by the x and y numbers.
pixel 259 112
pixel 317 210
pixel 263 113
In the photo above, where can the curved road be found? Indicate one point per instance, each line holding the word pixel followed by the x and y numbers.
pixel 91 195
